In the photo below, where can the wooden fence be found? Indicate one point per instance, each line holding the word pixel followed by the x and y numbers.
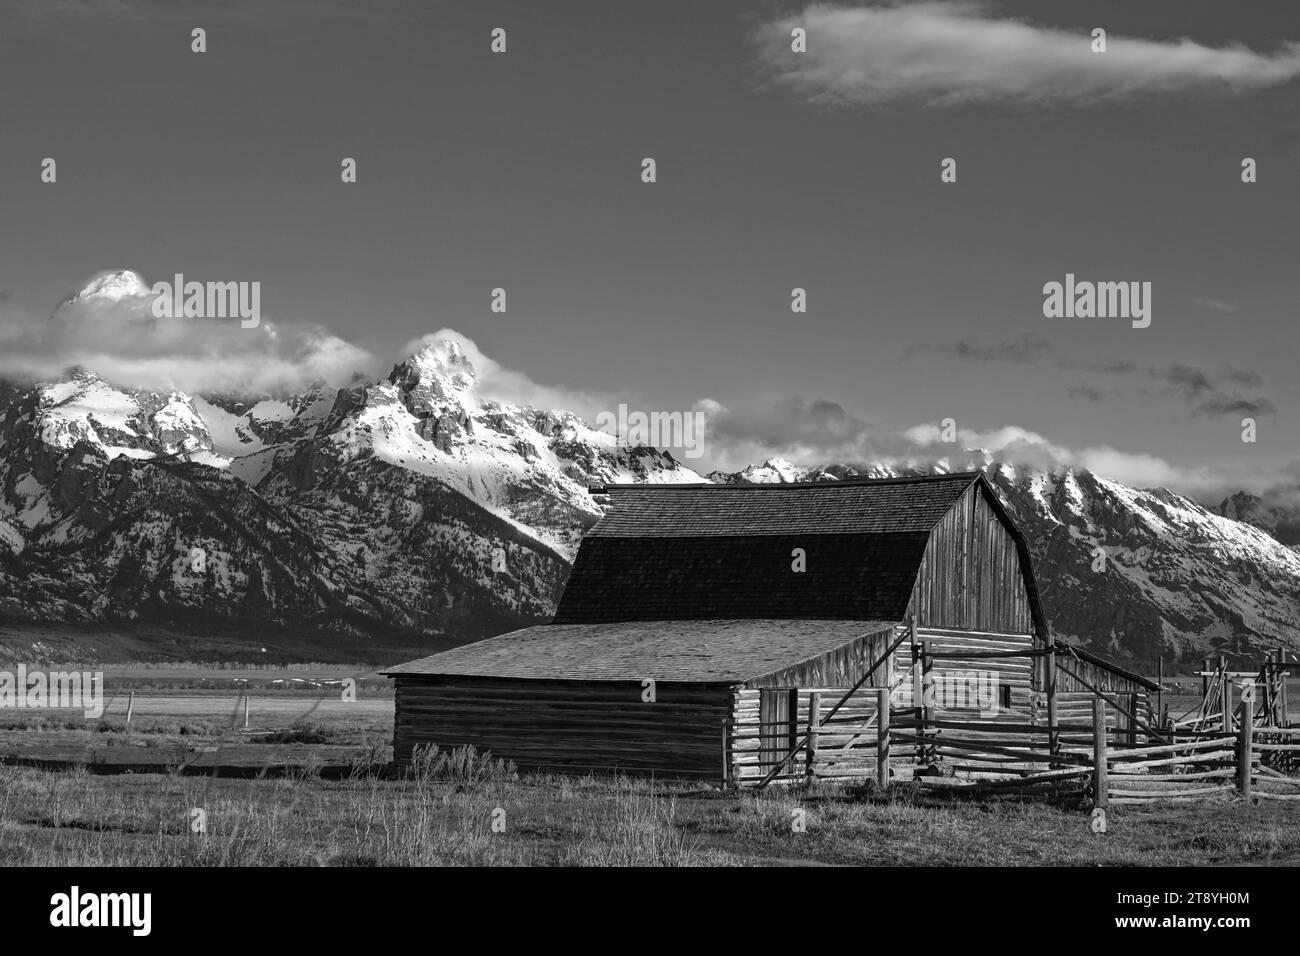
pixel 1104 746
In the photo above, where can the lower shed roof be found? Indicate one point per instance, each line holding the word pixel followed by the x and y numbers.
pixel 710 651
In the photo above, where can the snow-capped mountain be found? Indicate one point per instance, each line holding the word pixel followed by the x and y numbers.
pixel 409 504
pixel 416 504
pixel 1130 574
pixel 1277 512
pixel 113 287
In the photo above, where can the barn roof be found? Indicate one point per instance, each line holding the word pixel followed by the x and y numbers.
pixel 723 551
pixel 706 651
pixel 874 506
pixel 863 577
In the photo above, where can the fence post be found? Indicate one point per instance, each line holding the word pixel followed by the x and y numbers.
pixel 130 708
pixel 726 760
pixel 791 763
pixel 928 692
pixel 918 699
pixel 1100 785
pixel 882 738
pixel 1160 684
pixel 1244 757
pixel 1049 672
pixel 1226 700
pixel 814 718
pixel 1133 720
pixel 245 711
pixel 1205 678
pixel 1282 719
pixel 1268 706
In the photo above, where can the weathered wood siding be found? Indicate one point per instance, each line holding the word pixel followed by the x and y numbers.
pixel 970 577
pixel 1126 699
pixel 568 726
pixel 838 668
pixel 972 691
pixel 1075 675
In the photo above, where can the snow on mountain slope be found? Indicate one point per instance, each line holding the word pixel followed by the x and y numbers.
pixel 410 504
pixel 113 287
pixel 11 538
pixel 241 427
pixel 532 468
pixel 135 424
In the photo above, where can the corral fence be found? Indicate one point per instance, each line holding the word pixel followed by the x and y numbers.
pixel 938 722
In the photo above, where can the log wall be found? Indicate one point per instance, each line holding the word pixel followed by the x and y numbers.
pixel 568 726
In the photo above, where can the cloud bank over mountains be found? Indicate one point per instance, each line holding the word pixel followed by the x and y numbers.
pixel 109 328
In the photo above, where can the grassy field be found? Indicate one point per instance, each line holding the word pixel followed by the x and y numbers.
pixel 208 640
pixel 1184 703
pixel 482 814
pixel 445 813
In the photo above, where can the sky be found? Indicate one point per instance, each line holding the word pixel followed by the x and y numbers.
pixel 775 170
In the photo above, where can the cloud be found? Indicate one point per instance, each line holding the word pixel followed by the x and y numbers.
pixel 787 421
pixel 1211 393
pixel 119 338
pixel 110 329
pixel 1024 348
pixel 791 427
pixel 1217 305
pixel 1027 449
pixel 813 432
pixel 1086 392
pixel 947 53
pixel 1207 395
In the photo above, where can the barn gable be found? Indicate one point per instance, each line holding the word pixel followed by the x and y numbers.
pixel 976 572
pixel 875 550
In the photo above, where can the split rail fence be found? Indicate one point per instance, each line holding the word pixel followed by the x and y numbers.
pixel 1111 748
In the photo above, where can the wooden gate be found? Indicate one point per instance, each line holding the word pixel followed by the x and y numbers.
pixel 778 709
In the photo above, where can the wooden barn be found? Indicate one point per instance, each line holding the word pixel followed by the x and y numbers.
pixel 714 631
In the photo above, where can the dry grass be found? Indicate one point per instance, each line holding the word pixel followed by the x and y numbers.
pixel 468 809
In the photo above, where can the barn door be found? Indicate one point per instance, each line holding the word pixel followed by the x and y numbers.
pixel 778 714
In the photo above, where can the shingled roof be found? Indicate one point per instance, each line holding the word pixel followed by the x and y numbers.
pixel 711 651
pixel 876 506
pixel 693 551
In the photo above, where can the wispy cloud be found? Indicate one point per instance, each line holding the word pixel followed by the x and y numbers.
pixel 1217 305
pixel 1207 392
pixel 948 53
pixel 1024 348
pixel 1086 392
pixel 732 445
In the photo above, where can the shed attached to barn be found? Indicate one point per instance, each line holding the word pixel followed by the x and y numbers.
pixel 703 625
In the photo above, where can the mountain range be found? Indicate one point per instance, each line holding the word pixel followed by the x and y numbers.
pixel 413 506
